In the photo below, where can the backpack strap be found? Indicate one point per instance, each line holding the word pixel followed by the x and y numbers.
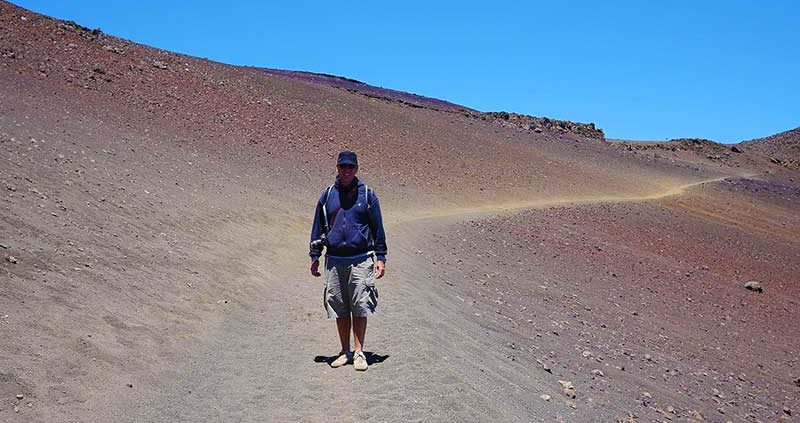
pixel 366 192
pixel 325 209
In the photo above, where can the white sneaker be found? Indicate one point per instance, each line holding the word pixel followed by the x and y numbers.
pixel 344 358
pixel 360 361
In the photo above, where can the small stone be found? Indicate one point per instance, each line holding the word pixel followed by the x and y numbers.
pixel 12 260
pixel 797 382
pixel 648 357
pixel 754 286
pixel 546 368
pixel 545 397
pixel 569 390
pixel 736 149
pixel 697 415
pixel 4 246
pixel 113 49
pixel 20 396
pixel 586 354
pixel 598 373
pixel 646 398
pixel 159 64
pixel 787 411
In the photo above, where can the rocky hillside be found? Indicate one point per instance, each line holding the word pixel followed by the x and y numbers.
pixel 515 120
pixel 782 148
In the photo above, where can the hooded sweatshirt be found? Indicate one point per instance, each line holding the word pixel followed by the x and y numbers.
pixel 355 228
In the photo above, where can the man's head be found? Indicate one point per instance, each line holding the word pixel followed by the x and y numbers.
pixel 347 166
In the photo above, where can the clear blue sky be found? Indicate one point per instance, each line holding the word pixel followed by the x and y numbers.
pixel 724 70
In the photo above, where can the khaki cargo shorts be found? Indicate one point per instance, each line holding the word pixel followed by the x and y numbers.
pixel 350 287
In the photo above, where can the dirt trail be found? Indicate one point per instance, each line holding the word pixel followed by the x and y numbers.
pixel 506 207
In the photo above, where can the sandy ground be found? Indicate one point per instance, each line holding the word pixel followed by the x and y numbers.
pixel 154 240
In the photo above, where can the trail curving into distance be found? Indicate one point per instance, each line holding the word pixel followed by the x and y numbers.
pixel 509 207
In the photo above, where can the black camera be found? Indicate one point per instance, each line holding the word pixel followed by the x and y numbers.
pixel 320 242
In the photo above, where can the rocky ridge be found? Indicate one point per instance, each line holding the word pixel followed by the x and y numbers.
pixel 539 124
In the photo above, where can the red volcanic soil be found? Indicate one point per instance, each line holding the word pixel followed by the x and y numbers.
pixel 353 85
pixel 154 230
pixel 640 305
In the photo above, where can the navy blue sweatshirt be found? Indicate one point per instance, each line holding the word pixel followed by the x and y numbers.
pixel 354 228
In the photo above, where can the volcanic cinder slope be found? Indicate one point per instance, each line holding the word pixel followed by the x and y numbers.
pixel 154 231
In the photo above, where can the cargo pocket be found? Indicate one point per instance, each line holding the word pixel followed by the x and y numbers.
pixel 368 292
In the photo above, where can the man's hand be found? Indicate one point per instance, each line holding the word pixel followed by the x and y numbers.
pixel 315 269
pixel 380 269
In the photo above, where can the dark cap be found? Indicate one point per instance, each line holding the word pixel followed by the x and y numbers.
pixel 347 157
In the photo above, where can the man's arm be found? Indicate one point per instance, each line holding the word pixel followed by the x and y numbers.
pixel 378 234
pixel 317 230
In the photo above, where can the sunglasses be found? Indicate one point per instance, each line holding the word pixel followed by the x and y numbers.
pixel 347 166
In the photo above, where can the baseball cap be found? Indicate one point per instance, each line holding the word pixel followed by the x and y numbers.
pixel 347 157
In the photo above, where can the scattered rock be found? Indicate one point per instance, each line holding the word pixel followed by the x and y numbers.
pixel 736 149
pixel 586 354
pixel 569 390
pixel 787 411
pixel 754 286
pixel 159 64
pixel 545 397
pixel 797 382
pixel 546 368
pixel 12 259
pixel 20 396
pixel 4 246
pixel 598 373
pixel 113 49
pixel 646 398
pixel 696 415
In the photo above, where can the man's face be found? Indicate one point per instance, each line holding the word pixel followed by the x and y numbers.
pixel 346 173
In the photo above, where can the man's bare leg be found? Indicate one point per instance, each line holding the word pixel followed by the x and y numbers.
pixel 360 331
pixel 343 326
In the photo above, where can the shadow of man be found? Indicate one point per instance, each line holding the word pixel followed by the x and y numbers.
pixel 372 358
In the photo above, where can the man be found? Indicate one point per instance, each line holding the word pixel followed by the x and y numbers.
pixel 348 223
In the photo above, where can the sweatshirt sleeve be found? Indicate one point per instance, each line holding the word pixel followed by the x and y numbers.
pixel 317 230
pixel 376 227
